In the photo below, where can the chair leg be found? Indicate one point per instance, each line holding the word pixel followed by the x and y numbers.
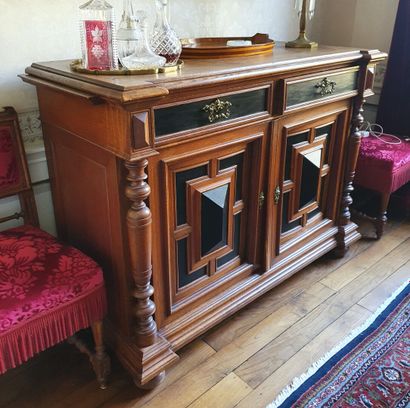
pixel 381 219
pixel 100 360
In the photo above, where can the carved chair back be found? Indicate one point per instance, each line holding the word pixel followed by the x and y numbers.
pixel 14 175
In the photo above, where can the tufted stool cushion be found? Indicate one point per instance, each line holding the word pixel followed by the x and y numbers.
pixel 383 167
pixel 48 291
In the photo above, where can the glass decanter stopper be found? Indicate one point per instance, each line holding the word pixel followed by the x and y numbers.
pixel 143 56
pixel 98 42
pixel 128 33
pixel 164 40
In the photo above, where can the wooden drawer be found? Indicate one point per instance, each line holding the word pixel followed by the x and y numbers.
pixel 192 115
pixel 311 90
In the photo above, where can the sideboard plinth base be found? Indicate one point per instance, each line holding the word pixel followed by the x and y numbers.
pixel 150 385
pixel 346 236
pixel 146 365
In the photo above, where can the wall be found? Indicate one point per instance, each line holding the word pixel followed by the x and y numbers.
pixel 374 23
pixel 357 23
pixel 45 30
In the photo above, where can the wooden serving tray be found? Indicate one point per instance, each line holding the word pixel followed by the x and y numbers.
pixel 216 47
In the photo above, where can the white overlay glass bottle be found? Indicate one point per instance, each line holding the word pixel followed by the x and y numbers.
pixel 98 40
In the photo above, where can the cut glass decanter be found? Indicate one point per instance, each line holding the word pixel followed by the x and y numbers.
pixel 143 57
pixel 164 40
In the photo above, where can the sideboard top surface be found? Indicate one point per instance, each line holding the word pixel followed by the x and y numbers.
pixel 136 87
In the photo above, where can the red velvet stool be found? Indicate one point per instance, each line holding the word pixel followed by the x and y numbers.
pixel 383 168
pixel 48 290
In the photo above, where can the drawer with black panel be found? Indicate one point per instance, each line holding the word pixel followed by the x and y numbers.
pixel 314 89
pixel 199 113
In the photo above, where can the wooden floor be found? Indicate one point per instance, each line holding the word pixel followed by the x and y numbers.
pixel 248 359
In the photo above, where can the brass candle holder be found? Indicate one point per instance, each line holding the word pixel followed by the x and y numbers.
pixel 302 41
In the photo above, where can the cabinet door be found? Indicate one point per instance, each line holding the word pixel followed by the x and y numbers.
pixel 211 217
pixel 305 179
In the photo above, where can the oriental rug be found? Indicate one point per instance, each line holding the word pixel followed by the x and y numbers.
pixel 370 369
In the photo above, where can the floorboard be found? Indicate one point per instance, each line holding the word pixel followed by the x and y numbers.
pixel 246 360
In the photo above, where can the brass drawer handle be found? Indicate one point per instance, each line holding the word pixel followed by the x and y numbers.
pixel 218 110
pixel 326 86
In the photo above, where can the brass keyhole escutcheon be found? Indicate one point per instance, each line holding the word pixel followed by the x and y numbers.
pixel 261 199
pixel 326 87
pixel 276 196
pixel 218 110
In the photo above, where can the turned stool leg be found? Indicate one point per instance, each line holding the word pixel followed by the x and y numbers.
pixel 100 359
pixel 381 219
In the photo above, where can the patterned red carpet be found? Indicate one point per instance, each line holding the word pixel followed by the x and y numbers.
pixel 372 370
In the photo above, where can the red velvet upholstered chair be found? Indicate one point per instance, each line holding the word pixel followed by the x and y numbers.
pixel 383 168
pixel 48 290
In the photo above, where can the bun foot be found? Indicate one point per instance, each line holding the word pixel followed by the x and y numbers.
pixel 150 385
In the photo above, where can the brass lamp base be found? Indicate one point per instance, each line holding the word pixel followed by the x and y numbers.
pixel 301 42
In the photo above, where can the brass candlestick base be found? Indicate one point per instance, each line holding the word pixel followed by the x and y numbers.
pixel 301 42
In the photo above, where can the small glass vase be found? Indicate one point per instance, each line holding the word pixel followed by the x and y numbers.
pixel 143 57
pixel 164 40
pixel 98 40
pixel 128 33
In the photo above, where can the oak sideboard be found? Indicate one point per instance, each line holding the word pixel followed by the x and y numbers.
pixel 201 189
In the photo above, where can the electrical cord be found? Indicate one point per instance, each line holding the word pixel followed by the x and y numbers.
pixel 377 131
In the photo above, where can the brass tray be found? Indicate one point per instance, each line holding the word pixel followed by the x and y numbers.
pixel 77 66
pixel 216 47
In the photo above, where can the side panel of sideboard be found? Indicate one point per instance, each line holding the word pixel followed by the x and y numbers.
pixel 90 213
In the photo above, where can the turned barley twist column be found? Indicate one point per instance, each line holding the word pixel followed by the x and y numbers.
pixel 353 148
pixel 139 222
pixel 353 154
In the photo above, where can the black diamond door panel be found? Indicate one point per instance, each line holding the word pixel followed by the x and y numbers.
pixel 293 141
pixel 208 218
pixel 236 162
pixel 214 219
pixel 306 177
pixel 211 206
pixel 181 179
pixel 186 278
pixel 309 187
pixel 287 224
pixel 303 173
